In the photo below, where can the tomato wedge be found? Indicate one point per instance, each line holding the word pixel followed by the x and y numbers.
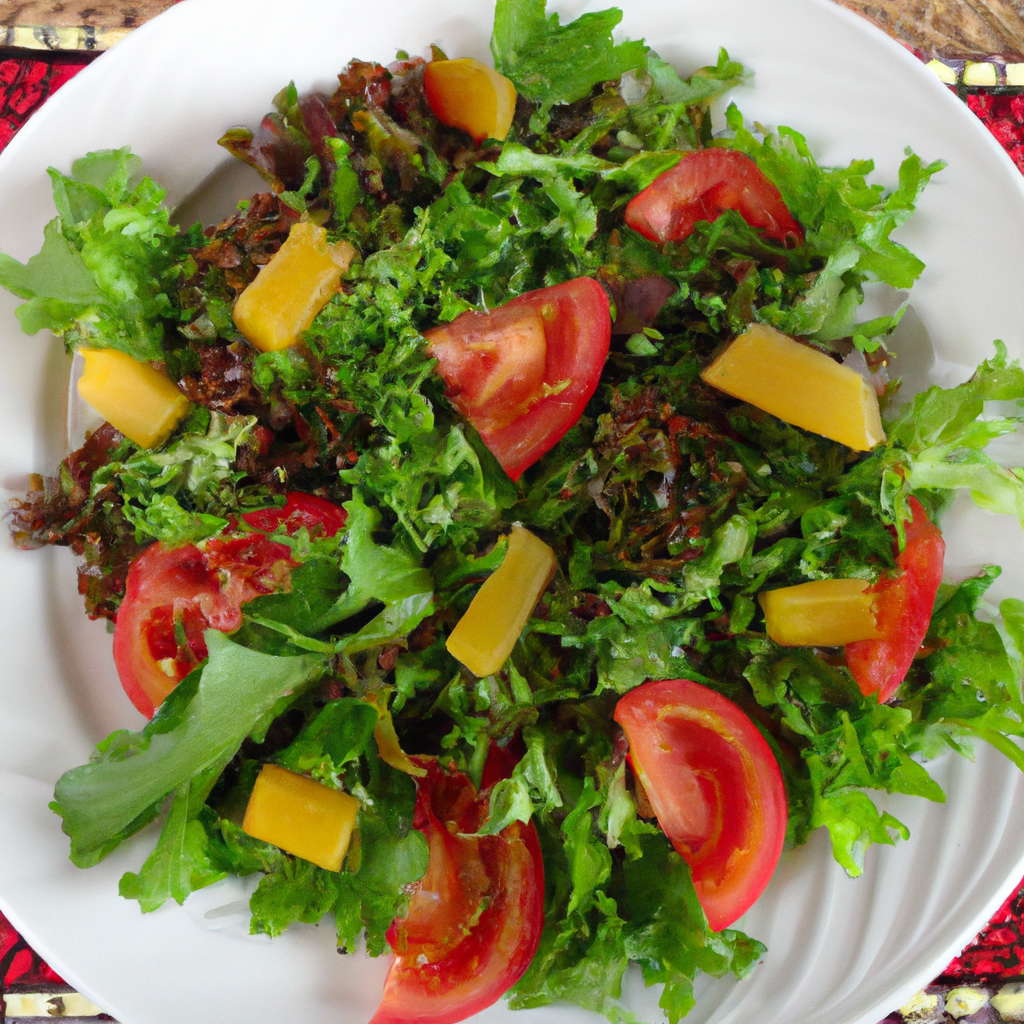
pixel 702 186
pixel 523 373
pixel 475 918
pixel 714 785
pixel 903 610
pixel 172 595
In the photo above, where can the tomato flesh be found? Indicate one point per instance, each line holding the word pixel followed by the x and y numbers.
pixel 172 595
pixel 903 604
pixel 452 958
pixel 523 373
pixel 702 186
pixel 714 785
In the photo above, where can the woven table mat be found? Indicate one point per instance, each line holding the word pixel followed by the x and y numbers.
pixel 976 47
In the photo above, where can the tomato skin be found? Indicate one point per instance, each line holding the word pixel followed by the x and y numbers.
pixel 199 588
pixel 308 510
pixel 449 964
pixel 714 785
pixel 702 186
pixel 520 397
pixel 904 606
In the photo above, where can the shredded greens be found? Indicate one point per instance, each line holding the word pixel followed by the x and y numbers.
pixel 669 507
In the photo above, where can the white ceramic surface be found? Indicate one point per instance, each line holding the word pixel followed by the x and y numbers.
pixel 840 951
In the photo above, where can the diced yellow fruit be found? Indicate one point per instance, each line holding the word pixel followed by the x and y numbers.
pixel 484 637
pixel 799 385
pixel 823 613
pixel 301 816
pixel 135 398
pixel 292 288
pixel 469 95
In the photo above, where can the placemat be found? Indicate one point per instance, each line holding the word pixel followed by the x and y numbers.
pixel 976 47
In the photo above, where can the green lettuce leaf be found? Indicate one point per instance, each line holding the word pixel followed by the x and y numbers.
pixel 168 493
pixel 945 432
pixel 106 274
pixel 552 63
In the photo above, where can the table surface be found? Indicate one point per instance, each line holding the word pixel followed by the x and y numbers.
pixel 44 43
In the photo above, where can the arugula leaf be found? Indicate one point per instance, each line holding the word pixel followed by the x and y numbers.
pixel 531 789
pixel 109 799
pixel 601 913
pixel 181 862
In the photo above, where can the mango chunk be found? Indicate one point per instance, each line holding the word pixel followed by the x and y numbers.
pixel 292 288
pixel 469 95
pixel 823 613
pixel 799 385
pixel 484 637
pixel 135 398
pixel 301 816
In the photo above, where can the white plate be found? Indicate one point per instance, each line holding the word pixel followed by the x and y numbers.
pixel 840 951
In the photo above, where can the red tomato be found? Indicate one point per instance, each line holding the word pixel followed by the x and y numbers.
pixel 715 786
pixel 453 959
pixel 702 186
pixel 299 510
pixel 903 610
pixel 501 761
pixel 523 373
pixel 172 596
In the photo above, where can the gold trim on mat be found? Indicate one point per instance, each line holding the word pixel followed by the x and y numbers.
pixel 48 1004
pixel 60 37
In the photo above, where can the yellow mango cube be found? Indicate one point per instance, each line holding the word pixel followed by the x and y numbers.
pixel 822 613
pixel 301 816
pixel 292 288
pixel 469 95
pixel 484 637
pixel 135 398
pixel 800 385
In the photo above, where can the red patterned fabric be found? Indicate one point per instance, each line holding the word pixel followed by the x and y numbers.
pixel 19 965
pixel 25 85
pixel 1004 118
pixel 997 952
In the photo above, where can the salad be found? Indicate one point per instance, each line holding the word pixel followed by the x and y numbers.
pixel 335 505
